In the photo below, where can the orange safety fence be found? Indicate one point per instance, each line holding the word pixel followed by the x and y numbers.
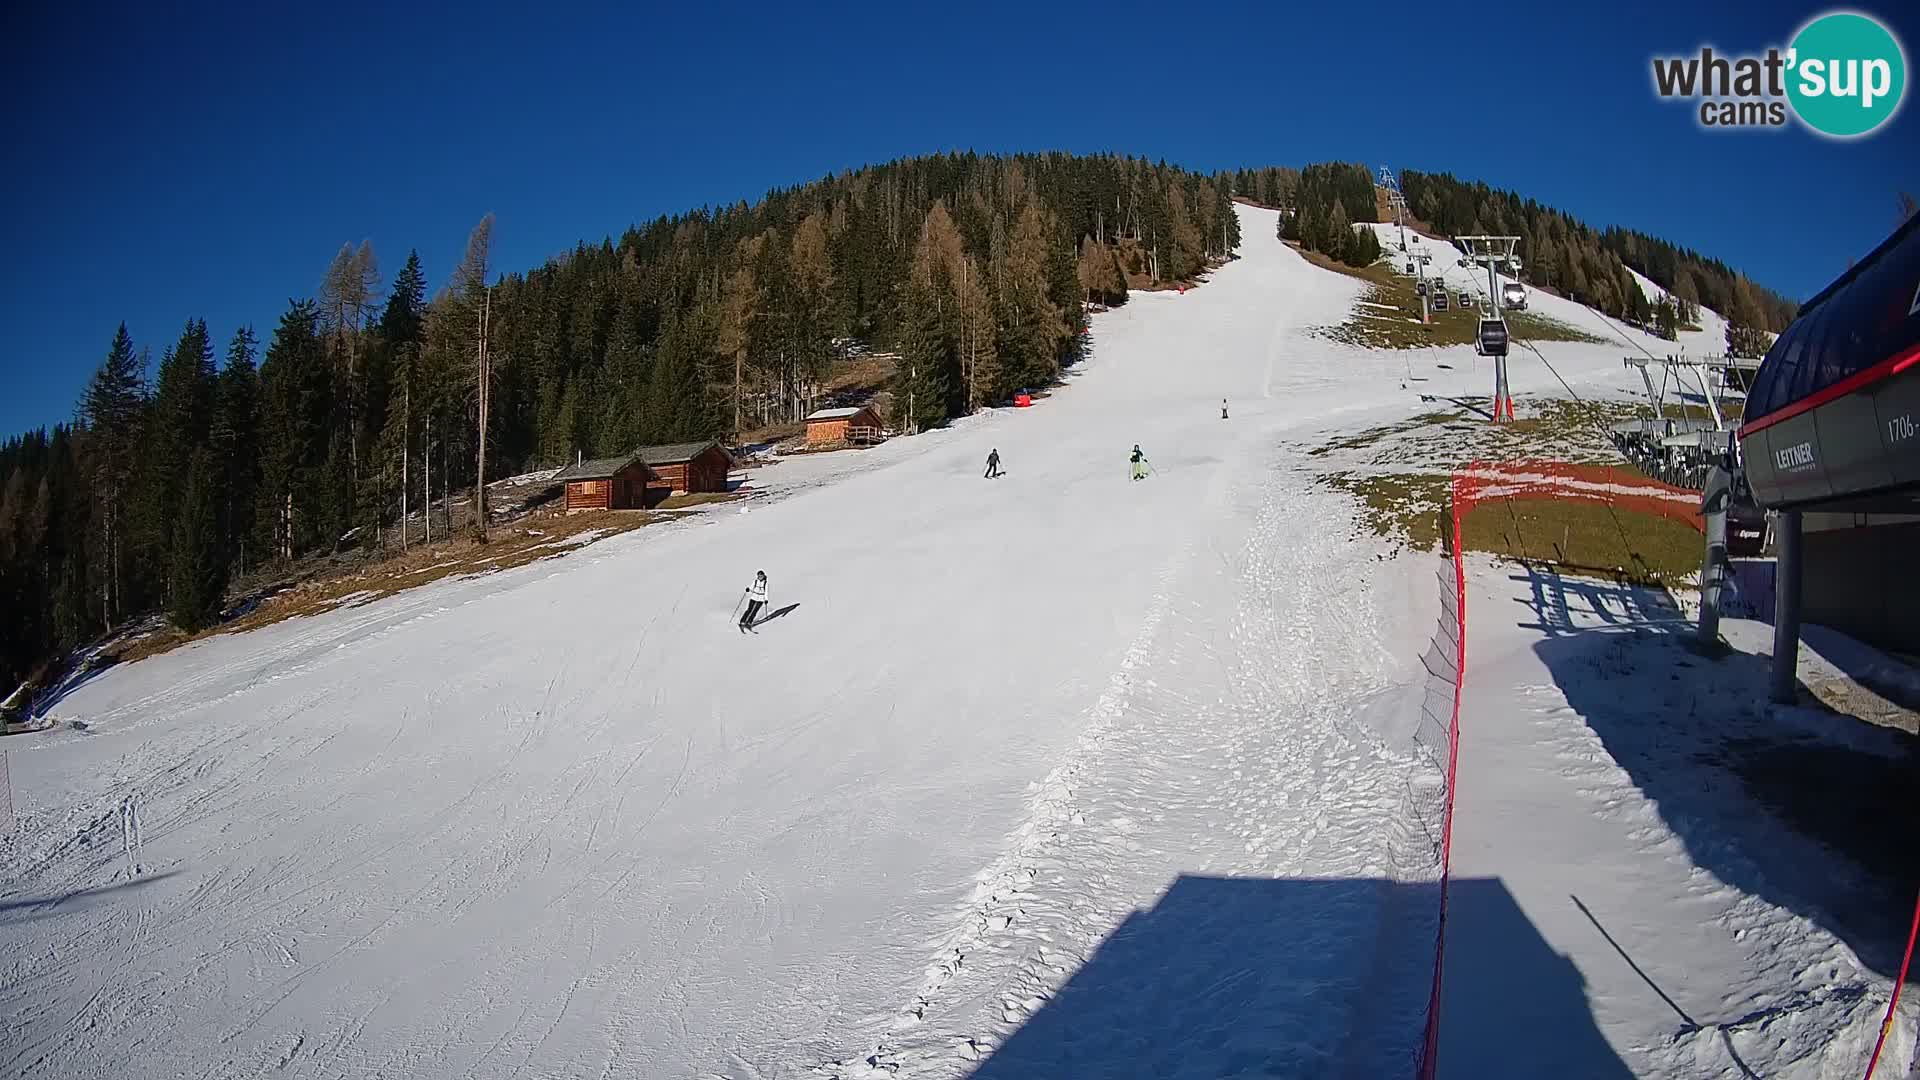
pixel 1618 486
pixel 1446 661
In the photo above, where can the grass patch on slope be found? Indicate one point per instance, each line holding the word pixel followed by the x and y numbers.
pixel 1585 538
pixel 1401 475
pixel 1390 317
pixel 1412 508
pixel 509 546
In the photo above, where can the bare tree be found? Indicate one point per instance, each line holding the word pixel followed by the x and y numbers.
pixel 740 303
pixel 346 300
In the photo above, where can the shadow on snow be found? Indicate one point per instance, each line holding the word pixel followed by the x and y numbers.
pixel 1257 977
pixel 1804 808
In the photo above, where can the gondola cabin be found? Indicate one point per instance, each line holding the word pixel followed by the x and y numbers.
pixel 1491 339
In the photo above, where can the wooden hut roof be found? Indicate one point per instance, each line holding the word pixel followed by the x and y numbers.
pixel 837 414
pixel 675 453
pixel 596 469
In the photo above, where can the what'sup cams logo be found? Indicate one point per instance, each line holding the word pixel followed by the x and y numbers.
pixel 1843 76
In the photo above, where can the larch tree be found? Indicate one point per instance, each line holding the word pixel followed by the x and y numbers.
pixel 810 273
pixel 345 302
pixel 472 310
pixel 740 304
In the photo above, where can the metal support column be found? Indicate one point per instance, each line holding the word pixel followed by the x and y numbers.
pixel 1713 572
pixel 1786 608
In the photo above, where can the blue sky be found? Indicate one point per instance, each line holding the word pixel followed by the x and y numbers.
pixel 163 164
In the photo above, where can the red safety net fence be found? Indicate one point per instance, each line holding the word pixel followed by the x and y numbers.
pixel 1438 733
pixel 1617 486
pixel 1446 657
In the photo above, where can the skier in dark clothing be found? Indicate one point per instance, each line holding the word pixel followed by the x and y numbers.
pixel 1139 461
pixel 756 599
pixel 993 464
pixel 1223 408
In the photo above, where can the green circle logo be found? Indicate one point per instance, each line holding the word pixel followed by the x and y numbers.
pixel 1846 74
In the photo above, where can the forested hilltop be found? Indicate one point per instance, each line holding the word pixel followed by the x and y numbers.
pixel 1557 250
pixel 1562 252
pixel 175 477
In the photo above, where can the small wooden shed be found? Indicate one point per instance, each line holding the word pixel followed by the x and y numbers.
pixel 859 426
pixel 682 468
pixel 615 483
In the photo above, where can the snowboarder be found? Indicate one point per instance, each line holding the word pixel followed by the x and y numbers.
pixel 756 599
pixel 1223 408
pixel 993 463
pixel 1140 465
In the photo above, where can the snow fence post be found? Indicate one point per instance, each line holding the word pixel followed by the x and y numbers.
pixel 8 823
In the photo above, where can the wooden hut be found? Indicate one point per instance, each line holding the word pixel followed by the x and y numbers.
pixel 687 467
pixel 859 426
pixel 615 483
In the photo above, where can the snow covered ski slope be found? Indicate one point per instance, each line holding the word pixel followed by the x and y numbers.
pixel 566 821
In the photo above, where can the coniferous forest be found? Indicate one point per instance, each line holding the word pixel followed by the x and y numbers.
pixel 239 456
pixel 1588 265
pixel 245 455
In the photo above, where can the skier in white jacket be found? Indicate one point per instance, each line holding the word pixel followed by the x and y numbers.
pixel 756 599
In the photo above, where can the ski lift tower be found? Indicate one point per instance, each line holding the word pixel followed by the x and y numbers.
pixel 1494 252
pixel 1396 202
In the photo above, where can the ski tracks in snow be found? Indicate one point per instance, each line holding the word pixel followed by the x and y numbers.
pixel 1222 747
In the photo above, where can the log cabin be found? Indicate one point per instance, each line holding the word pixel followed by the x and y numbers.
pixel 614 483
pixel 684 468
pixel 856 426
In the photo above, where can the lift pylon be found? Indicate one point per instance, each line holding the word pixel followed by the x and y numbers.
pixel 1494 252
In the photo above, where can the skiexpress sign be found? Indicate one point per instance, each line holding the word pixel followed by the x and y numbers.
pixel 1844 75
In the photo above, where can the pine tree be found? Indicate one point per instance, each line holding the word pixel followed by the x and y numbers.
pixel 197 576
pixel 1182 258
pixel 1364 248
pixel 113 408
pixel 1338 241
pixel 295 393
pixel 406 309
pixel 394 475
pixel 927 361
pixel 235 439
pixel 180 421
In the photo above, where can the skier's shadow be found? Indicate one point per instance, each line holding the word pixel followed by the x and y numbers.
pixel 776 613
